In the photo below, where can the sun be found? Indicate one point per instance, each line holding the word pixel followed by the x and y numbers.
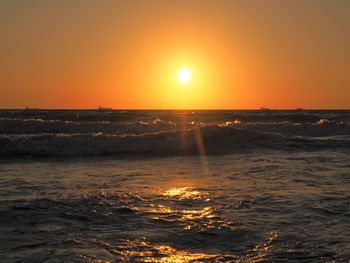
pixel 184 75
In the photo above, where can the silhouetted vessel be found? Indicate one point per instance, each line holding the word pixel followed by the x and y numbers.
pixel 103 108
pixel 29 108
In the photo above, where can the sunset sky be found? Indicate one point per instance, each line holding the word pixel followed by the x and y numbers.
pixel 127 54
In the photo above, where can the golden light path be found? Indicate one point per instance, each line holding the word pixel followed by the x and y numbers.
pixel 141 249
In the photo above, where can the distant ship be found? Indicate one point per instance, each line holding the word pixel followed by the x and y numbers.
pixel 103 108
pixel 29 108
pixel 264 109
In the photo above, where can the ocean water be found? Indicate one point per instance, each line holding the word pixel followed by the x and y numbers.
pixel 174 186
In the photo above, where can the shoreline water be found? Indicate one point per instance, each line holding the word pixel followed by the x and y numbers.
pixel 252 203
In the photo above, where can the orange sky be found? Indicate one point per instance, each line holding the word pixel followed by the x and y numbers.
pixel 126 54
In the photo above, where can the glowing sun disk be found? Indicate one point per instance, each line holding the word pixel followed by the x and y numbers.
pixel 184 75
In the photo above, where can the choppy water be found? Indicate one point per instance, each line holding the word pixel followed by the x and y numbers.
pixel 95 133
pixel 214 186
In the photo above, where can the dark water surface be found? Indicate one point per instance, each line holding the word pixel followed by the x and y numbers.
pixel 164 186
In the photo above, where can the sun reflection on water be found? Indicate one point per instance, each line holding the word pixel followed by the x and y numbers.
pixel 142 251
pixel 189 211
pixel 178 256
pixel 177 208
pixel 186 217
pixel 182 193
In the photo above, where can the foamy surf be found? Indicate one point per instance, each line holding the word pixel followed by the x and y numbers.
pixel 94 133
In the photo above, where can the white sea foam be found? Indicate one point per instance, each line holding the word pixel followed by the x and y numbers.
pixel 80 133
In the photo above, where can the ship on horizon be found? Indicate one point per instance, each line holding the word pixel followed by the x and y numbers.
pixel 104 108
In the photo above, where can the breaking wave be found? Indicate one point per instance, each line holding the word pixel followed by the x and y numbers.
pixel 94 133
pixel 216 140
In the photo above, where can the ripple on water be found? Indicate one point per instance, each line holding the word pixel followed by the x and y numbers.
pixel 140 250
pixel 248 218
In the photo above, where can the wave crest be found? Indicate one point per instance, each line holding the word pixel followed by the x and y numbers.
pixel 216 139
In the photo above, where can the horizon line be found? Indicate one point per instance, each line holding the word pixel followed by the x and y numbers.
pixel 179 109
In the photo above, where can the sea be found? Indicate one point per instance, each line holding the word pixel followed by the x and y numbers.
pixel 174 186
